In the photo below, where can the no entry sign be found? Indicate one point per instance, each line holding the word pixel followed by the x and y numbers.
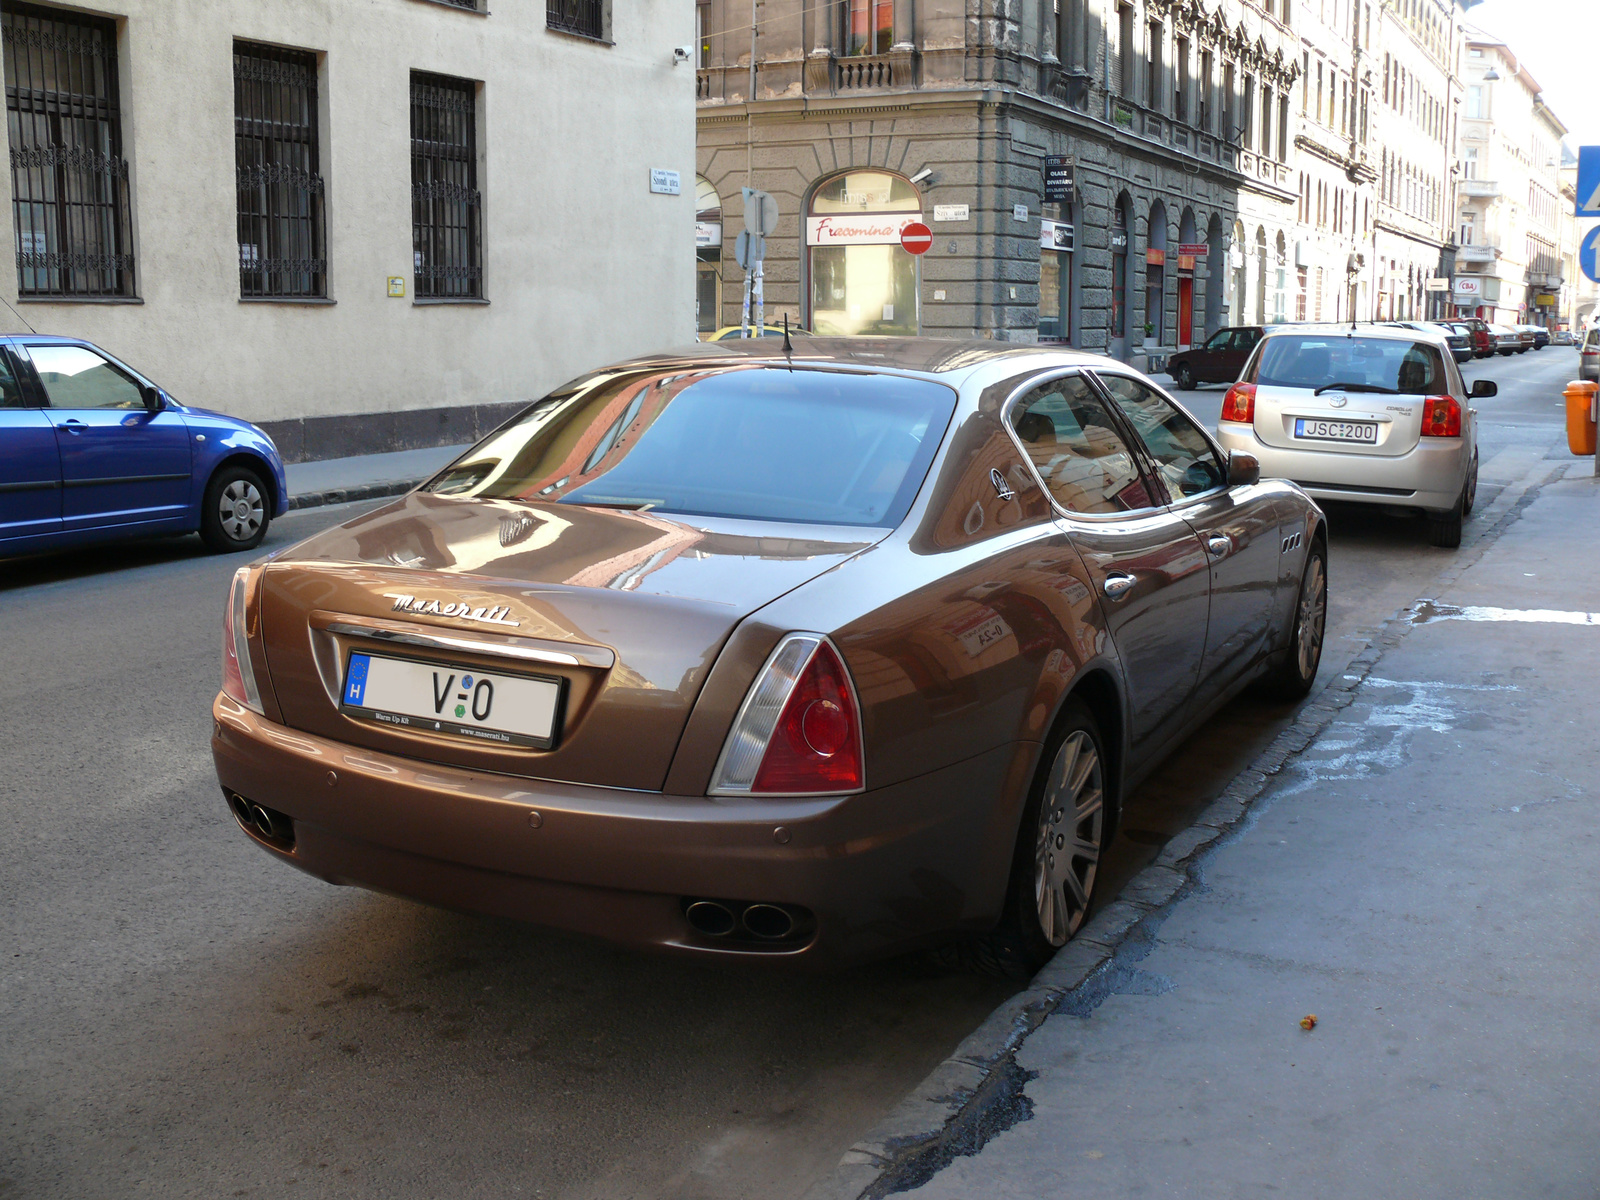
pixel 916 238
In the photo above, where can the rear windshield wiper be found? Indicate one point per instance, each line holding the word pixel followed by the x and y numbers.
pixel 1356 387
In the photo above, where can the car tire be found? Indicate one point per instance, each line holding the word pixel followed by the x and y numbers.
pixel 1184 378
pixel 1470 497
pixel 1292 678
pixel 1052 887
pixel 233 515
pixel 1444 529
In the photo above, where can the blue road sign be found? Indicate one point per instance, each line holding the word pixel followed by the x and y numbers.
pixel 1589 181
pixel 1589 254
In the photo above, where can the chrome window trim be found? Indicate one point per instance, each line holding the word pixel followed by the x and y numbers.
pixel 1011 432
pixel 1222 455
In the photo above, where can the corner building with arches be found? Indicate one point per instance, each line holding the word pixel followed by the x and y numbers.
pixel 1172 124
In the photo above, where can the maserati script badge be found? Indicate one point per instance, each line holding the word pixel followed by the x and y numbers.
pixel 1000 485
pixel 461 611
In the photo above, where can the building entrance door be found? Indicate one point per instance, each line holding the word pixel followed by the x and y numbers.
pixel 1185 311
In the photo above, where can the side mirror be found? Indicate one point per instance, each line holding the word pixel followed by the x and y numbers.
pixel 152 398
pixel 1243 469
pixel 1483 388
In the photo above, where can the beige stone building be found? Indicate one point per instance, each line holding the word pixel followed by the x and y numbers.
pixel 1510 218
pixel 365 225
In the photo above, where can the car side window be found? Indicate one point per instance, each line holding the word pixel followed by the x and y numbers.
pixel 75 377
pixel 1221 340
pixel 1184 458
pixel 1074 445
pixel 10 393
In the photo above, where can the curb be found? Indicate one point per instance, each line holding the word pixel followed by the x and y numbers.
pixel 365 491
pixel 978 1091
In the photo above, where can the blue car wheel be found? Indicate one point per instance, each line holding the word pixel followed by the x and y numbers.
pixel 233 515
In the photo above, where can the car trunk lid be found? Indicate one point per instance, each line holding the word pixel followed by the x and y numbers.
pixel 1282 414
pixel 624 610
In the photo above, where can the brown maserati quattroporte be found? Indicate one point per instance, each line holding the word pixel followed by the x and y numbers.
pixel 817 656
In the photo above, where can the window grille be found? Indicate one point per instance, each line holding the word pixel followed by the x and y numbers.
pixel 69 182
pixel 282 251
pixel 446 241
pixel 586 17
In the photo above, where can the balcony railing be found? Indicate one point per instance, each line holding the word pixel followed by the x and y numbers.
pixel 1478 252
pixel 1479 187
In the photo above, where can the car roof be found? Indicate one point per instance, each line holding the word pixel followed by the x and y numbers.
pixel 946 359
pixel 1360 329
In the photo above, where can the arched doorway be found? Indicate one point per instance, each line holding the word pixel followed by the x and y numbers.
pixel 708 256
pixel 1261 275
pixel 1121 219
pixel 1280 293
pixel 1187 236
pixel 1155 275
pixel 1241 277
pixel 1216 274
pixel 862 280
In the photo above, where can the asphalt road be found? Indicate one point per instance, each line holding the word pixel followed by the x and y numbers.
pixel 180 1016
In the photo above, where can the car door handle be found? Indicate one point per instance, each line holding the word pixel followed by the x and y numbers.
pixel 1117 586
pixel 1219 545
pixel 72 426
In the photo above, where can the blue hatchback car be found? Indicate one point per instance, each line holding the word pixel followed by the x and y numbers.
pixel 91 450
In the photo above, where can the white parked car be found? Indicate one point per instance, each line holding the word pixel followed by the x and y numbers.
pixel 1367 414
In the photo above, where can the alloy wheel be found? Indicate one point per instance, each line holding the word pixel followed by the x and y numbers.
pixel 241 510
pixel 1071 830
pixel 1313 614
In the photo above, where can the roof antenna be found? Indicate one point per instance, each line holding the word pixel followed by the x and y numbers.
pixel 788 347
pixel 20 317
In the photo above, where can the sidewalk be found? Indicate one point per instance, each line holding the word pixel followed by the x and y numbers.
pixel 1422 876
pixel 363 477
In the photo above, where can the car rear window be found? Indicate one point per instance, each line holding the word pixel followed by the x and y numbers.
pixel 771 444
pixel 1591 340
pixel 1367 363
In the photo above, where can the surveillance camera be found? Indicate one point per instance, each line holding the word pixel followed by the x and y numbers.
pixel 681 54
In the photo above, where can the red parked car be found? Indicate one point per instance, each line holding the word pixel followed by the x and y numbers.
pixel 1482 340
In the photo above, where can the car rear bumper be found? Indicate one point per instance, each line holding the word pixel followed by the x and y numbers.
pixel 879 872
pixel 1428 477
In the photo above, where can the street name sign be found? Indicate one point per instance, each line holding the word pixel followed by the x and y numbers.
pixel 1588 202
pixel 916 238
pixel 664 182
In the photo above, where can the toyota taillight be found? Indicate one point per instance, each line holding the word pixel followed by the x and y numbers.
pixel 1441 417
pixel 1240 403
pixel 799 729
pixel 238 675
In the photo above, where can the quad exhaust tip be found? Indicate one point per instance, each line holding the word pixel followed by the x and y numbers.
pixel 739 920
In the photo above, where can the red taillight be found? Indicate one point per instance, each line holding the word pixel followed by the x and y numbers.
pixel 1240 403
pixel 799 730
pixel 238 676
pixel 1441 417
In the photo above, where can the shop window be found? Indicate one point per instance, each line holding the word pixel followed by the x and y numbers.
pixel 282 251
pixel 862 280
pixel 869 26
pixel 708 256
pixel 446 238
pixel 1056 247
pixel 1155 275
pixel 70 204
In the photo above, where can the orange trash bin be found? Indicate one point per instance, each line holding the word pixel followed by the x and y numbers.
pixel 1581 416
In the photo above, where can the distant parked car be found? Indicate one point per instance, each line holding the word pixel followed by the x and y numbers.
pixel 1219 360
pixel 1589 355
pixel 1508 341
pixel 1561 337
pixel 1540 335
pixel 93 451
pixel 1376 416
pixel 1482 339
pixel 1458 337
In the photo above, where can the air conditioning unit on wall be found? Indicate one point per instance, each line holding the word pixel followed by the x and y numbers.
pixel 1302 254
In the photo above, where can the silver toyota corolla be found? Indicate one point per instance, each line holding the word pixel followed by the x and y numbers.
pixel 1367 413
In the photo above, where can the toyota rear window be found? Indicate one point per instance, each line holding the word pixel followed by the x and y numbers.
pixel 1356 363
pixel 764 443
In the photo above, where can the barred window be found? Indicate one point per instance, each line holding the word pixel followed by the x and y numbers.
pixel 585 17
pixel 69 182
pixel 282 249
pixel 446 242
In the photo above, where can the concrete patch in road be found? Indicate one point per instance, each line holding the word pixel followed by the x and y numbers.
pixel 977 1093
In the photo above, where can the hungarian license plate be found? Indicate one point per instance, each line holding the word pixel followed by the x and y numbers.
pixel 509 710
pixel 1337 431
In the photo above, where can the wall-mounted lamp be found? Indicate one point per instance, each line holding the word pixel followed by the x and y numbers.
pixel 925 173
pixel 1491 76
